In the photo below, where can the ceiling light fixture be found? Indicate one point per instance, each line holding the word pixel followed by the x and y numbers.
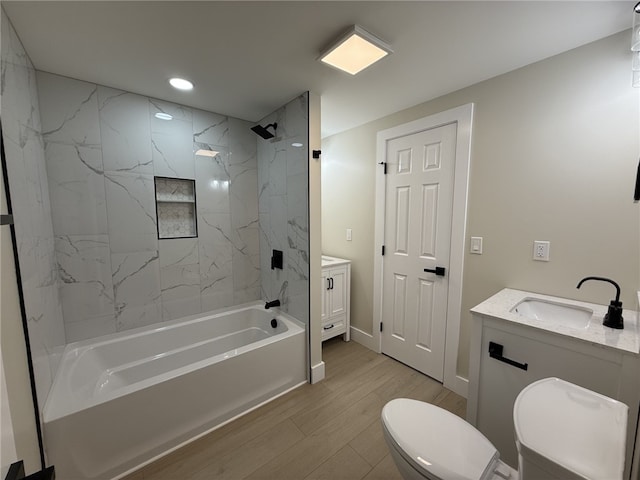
pixel 181 83
pixel 355 50
pixel 163 116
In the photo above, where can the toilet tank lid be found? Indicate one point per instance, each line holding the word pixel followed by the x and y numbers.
pixel 571 427
pixel 437 441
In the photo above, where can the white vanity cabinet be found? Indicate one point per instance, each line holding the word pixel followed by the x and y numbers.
pixel 336 296
pixel 607 363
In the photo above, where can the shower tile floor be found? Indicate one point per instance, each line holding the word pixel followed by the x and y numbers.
pixel 330 430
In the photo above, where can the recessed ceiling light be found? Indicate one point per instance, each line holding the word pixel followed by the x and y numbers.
pixel 296 144
pixel 355 50
pixel 163 116
pixel 206 153
pixel 181 83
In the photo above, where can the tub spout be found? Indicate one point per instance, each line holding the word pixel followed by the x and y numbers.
pixel 272 303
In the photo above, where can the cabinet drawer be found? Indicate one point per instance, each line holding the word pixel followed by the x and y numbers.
pixel 333 327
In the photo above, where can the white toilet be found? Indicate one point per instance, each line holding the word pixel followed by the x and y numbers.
pixel 563 432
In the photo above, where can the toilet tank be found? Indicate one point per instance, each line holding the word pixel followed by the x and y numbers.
pixel 564 431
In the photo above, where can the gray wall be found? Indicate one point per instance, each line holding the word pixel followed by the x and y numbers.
pixel 103 149
pixel 554 155
pixel 283 179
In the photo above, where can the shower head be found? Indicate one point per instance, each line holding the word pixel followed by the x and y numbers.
pixel 263 132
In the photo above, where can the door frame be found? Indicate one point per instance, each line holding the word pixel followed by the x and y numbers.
pixel 463 116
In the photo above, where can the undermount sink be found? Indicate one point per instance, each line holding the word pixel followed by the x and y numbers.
pixel 556 313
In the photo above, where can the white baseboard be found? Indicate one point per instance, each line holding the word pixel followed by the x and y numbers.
pixel 364 338
pixel 317 372
pixel 460 385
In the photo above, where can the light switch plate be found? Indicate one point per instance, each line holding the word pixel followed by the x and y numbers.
pixel 348 234
pixel 476 245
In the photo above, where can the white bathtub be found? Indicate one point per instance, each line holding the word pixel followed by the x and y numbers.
pixel 121 400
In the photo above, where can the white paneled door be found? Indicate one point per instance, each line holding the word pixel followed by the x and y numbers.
pixel 417 237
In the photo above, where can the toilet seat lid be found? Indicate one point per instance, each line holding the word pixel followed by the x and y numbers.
pixel 588 429
pixel 437 442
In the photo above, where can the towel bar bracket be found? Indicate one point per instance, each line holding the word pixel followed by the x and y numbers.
pixel 495 351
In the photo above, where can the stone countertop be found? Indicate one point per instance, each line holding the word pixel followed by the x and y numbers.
pixel 499 306
pixel 328 261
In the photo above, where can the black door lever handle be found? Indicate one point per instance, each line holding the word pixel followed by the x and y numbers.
pixel 438 271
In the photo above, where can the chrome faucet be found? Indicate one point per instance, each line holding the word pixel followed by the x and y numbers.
pixel 613 318
pixel 272 303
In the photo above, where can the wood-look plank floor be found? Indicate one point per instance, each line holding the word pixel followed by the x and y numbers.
pixel 330 430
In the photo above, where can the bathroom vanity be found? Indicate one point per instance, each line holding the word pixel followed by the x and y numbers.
pixel 520 337
pixel 336 297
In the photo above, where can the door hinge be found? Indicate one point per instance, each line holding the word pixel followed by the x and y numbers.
pixel 384 165
pixel 380 326
pixel 383 250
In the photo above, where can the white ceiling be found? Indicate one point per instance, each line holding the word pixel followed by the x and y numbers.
pixel 248 58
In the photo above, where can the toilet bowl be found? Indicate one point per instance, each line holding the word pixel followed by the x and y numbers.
pixel 427 442
pixel 563 431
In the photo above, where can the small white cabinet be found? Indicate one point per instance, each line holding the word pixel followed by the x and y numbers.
pixel 610 368
pixel 336 297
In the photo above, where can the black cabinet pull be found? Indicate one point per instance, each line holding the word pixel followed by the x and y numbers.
pixel 331 283
pixel 438 271
pixel 328 284
pixel 495 351
pixel 328 327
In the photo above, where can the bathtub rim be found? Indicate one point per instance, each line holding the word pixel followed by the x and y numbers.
pixel 165 325
pixel 53 412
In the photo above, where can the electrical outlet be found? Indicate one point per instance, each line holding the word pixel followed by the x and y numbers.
pixel 541 250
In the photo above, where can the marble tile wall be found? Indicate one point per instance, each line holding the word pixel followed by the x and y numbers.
pixel 283 186
pixel 28 186
pixel 103 148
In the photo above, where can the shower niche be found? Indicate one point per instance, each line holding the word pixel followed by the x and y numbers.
pixel 176 207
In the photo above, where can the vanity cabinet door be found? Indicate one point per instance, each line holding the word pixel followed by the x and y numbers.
pixel 325 295
pixel 500 382
pixel 338 291
pixel 335 301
